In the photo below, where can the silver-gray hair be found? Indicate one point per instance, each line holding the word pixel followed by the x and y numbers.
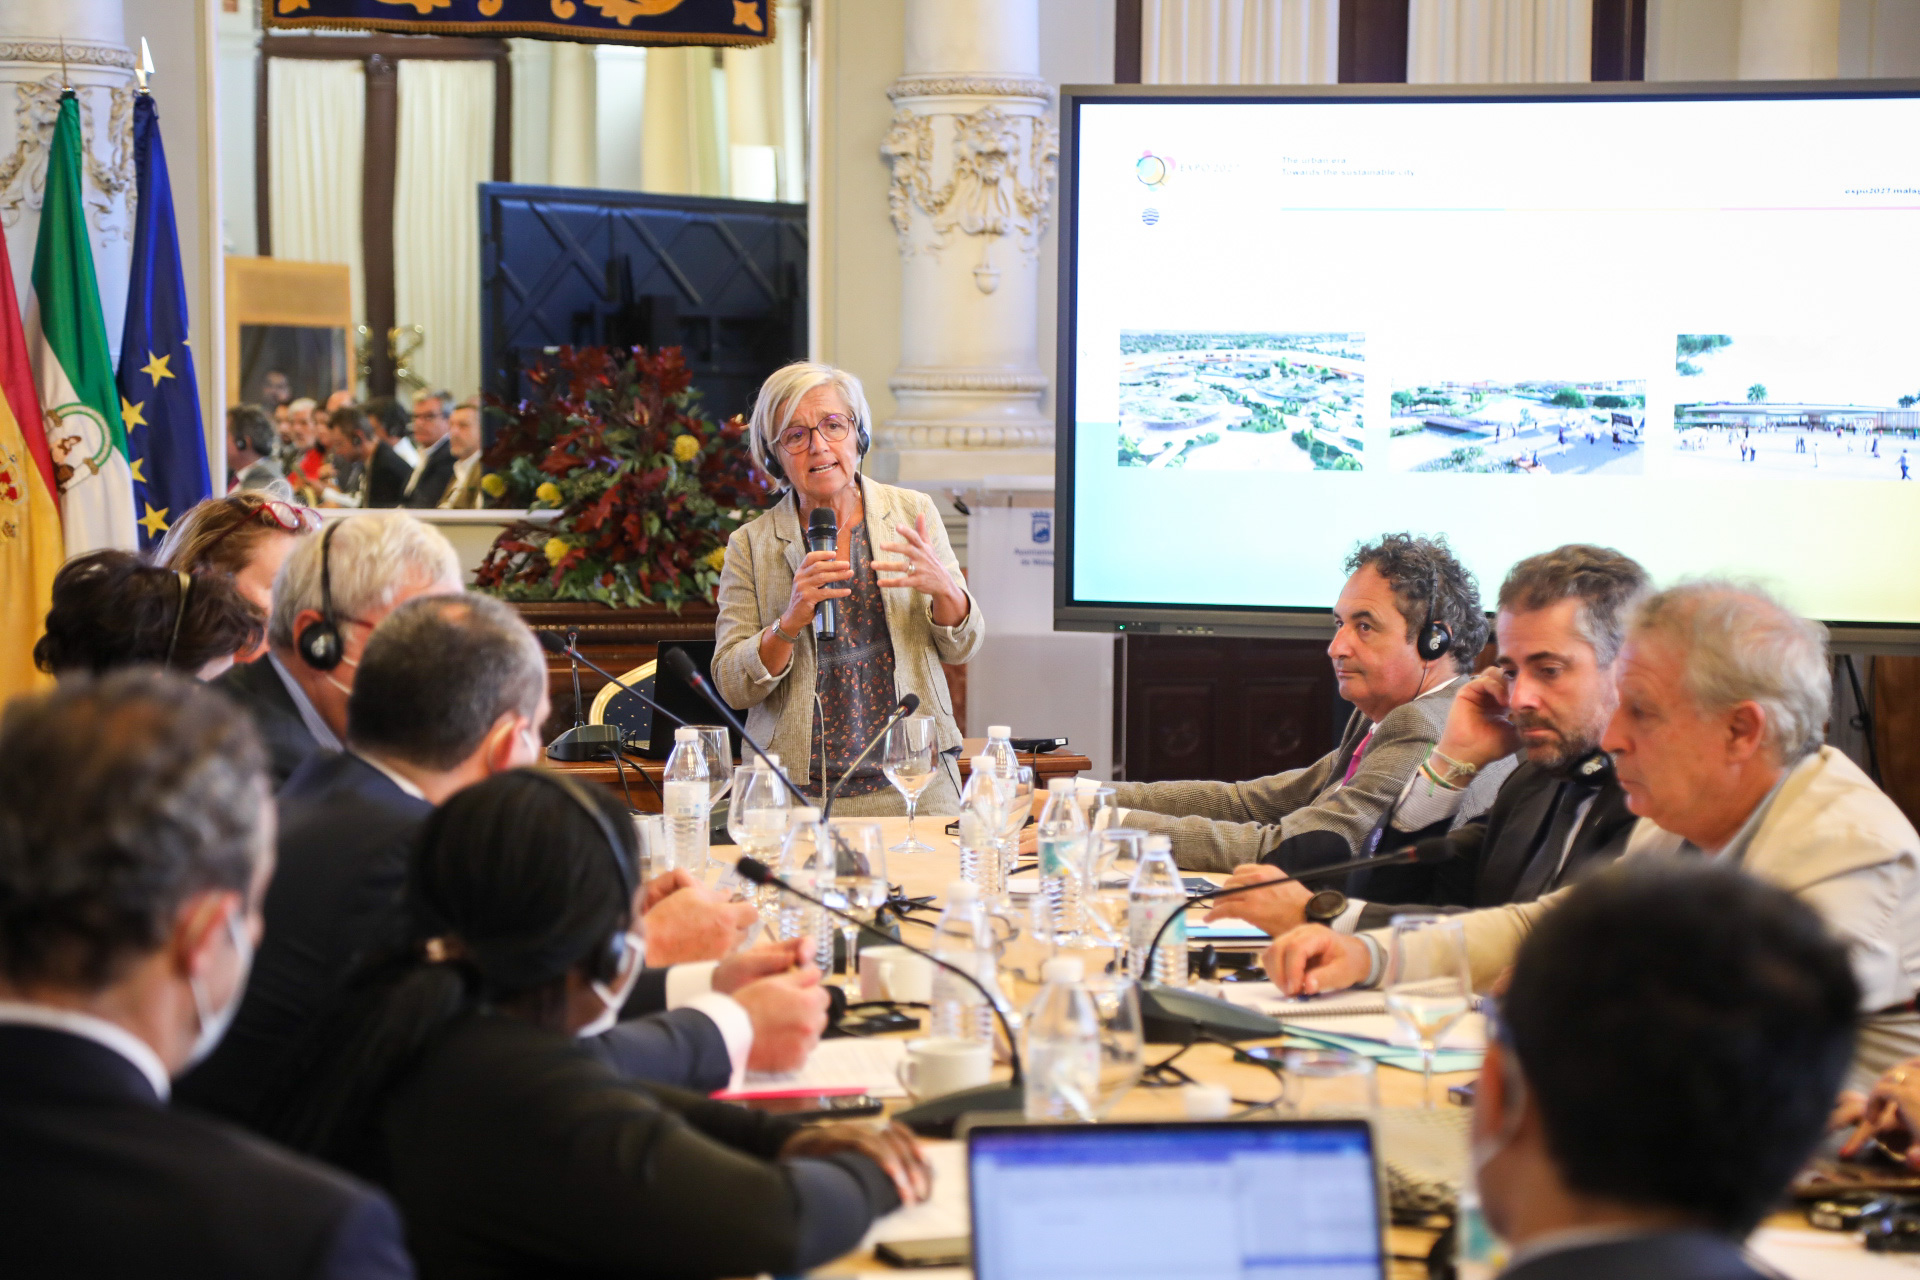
pixel 1740 644
pixel 372 559
pixel 1605 582
pixel 780 396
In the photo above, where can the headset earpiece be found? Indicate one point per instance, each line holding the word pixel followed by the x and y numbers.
pixel 319 642
pixel 1436 637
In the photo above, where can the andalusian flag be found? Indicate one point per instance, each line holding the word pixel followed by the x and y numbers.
pixel 30 542
pixel 67 338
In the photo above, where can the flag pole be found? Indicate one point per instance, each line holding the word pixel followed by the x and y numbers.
pixel 145 69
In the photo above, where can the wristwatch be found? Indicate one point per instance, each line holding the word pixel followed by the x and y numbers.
pixel 1326 906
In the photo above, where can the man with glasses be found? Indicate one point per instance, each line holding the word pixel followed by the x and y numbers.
pixel 434 472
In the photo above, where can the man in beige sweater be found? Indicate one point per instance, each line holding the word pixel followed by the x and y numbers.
pixel 1723 698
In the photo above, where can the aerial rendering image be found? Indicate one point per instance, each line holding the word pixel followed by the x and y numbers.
pixel 1823 406
pixel 1539 426
pixel 1241 401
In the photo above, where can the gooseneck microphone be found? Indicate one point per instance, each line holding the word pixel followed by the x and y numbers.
pixel 908 705
pixel 937 1115
pixel 682 666
pixel 823 534
pixel 587 741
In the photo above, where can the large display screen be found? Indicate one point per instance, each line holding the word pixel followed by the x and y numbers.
pixel 1683 325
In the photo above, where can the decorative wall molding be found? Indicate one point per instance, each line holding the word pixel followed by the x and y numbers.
pixel 109 189
pixel 77 54
pixel 943 380
pixel 952 86
pixel 965 436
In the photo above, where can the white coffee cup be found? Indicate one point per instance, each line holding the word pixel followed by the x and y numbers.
pixel 934 1068
pixel 895 973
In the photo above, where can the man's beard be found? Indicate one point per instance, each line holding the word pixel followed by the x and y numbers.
pixel 1558 751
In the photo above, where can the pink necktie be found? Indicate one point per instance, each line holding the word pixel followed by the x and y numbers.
pixel 1353 765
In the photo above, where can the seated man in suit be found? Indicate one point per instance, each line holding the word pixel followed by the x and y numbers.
pixel 432 419
pixel 1562 621
pixel 1660 1067
pixel 333 590
pixel 378 474
pixel 134 822
pixel 1723 696
pixel 452 690
pixel 1407 627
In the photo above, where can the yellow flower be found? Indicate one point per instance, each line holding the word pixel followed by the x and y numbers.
pixel 555 549
pixel 492 484
pixel 685 448
pixel 549 493
pixel 717 558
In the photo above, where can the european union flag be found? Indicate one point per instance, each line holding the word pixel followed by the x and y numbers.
pixel 159 399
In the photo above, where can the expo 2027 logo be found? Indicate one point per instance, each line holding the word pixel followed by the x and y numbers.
pixel 1152 170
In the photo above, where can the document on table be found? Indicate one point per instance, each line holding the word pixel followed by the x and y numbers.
pixel 1828 1255
pixel 941 1215
pixel 844 1066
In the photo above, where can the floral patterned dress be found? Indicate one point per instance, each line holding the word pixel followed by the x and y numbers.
pixel 855 683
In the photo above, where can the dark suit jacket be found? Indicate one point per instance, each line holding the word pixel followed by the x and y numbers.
pixel 1669 1255
pixel 346 831
pixel 512 1152
pixel 385 484
pixel 99 1178
pixel 257 687
pixel 436 473
pixel 1497 849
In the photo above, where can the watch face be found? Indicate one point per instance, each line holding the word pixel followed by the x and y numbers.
pixel 1326 905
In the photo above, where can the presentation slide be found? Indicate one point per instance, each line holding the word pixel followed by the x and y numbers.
pixel 1683 328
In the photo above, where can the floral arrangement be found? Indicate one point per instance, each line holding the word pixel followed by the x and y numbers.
pixel 647 489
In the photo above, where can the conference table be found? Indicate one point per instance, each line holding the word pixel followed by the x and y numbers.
pixel 1819 1254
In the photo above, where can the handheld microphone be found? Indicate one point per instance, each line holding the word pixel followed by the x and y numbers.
pixel 599 739
pixel 823 534
pixel 908 705
pixel 936 1116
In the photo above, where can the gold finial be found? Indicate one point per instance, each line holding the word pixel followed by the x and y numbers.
pixel 145 69
pixel 66 82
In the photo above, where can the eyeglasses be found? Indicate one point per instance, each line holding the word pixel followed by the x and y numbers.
pixel 833 429
pixel 284 516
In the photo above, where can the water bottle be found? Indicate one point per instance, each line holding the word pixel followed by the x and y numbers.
pixel 963 939
pixel 980 812
pixel 999 749
pixel 1062 838
pixel 1157 892
pixel 1063 1046
pixel 1478 1254
pixel 685 797
pixel 806 863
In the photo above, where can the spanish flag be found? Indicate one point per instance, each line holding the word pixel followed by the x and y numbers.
pixel 31 548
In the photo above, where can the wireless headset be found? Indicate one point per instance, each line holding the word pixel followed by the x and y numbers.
pixel 319 642
pixel 1436 637
pixel 180 614
pixel 616 945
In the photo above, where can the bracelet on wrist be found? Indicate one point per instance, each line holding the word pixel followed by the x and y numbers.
pixel 1452 774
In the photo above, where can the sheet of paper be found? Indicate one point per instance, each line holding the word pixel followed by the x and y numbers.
pixel 1469 1034
pixel 1266 997
pixel 943 1214
pixel 1828 1255
pixel 1226 931
pixel 847 1065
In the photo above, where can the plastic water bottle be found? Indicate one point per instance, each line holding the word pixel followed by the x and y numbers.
pixel 686 798
pixel 1156 893
pixel 1478 1254
pixel 999 749
pixel 981 804
pixel 1063 1046
pixel 806 863
pixel 1062 838
pixel 964 939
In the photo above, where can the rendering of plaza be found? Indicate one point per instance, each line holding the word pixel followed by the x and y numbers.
pixel 1534 427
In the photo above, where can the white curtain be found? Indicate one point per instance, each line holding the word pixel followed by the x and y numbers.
pixel 1240 42
pixel 680 151
pixel 316 143
pixel 443 152
pixel 1499 41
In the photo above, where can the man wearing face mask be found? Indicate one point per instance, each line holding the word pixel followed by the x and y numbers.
pixel 1662 1064
pixel 451 691
pixel 135 836
pixel 328 597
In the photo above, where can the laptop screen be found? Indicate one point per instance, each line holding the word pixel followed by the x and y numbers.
pixel 1293 1200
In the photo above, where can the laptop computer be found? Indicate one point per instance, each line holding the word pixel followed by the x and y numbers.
pixel 1292 1199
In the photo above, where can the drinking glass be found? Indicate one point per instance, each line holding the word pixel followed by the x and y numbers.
pixel 1329 1081
pixel 1123 1041
pixel 907 760
pixel 757 821
pixel 859 878
pixel 1116 856
pixel 1101 810
pixel 1428 987
pixel 718 749
pixel 651 831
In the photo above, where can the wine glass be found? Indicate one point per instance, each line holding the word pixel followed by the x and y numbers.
pixel 859 877
pixel 718 749
pixel 907 760
pixel 757 821
pixel 1428 986
pixel 1123 1041
pixel 1013 819
pixel 1116 855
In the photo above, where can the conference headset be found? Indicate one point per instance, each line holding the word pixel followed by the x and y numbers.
pixel 1436 637
pixel 617 944
pixel 319 642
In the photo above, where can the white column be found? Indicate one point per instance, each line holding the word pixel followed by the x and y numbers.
pixel 972 153
pixel 100 68
pixel 1499 41
pixel 1789 39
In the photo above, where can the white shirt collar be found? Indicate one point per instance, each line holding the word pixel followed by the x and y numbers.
pixel 108 1034
pixel 309 714
pixel 399 780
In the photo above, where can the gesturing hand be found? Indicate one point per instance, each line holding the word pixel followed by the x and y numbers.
pixel 1478 731
pixel 920 569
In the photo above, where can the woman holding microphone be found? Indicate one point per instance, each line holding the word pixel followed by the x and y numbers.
pixel 902 606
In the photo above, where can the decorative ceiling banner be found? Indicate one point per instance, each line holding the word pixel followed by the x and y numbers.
pixel 738 23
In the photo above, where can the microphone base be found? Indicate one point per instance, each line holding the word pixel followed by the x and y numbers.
pixel 1170 1015
pixel 936 1117
pixel 585 742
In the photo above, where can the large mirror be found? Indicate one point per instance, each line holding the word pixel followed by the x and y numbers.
pixel 287 330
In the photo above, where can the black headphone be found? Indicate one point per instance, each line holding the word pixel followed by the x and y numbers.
pixel 763 451
pixel 180 614
pixel 319 643
pixel 616 945
pixel 1436 637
